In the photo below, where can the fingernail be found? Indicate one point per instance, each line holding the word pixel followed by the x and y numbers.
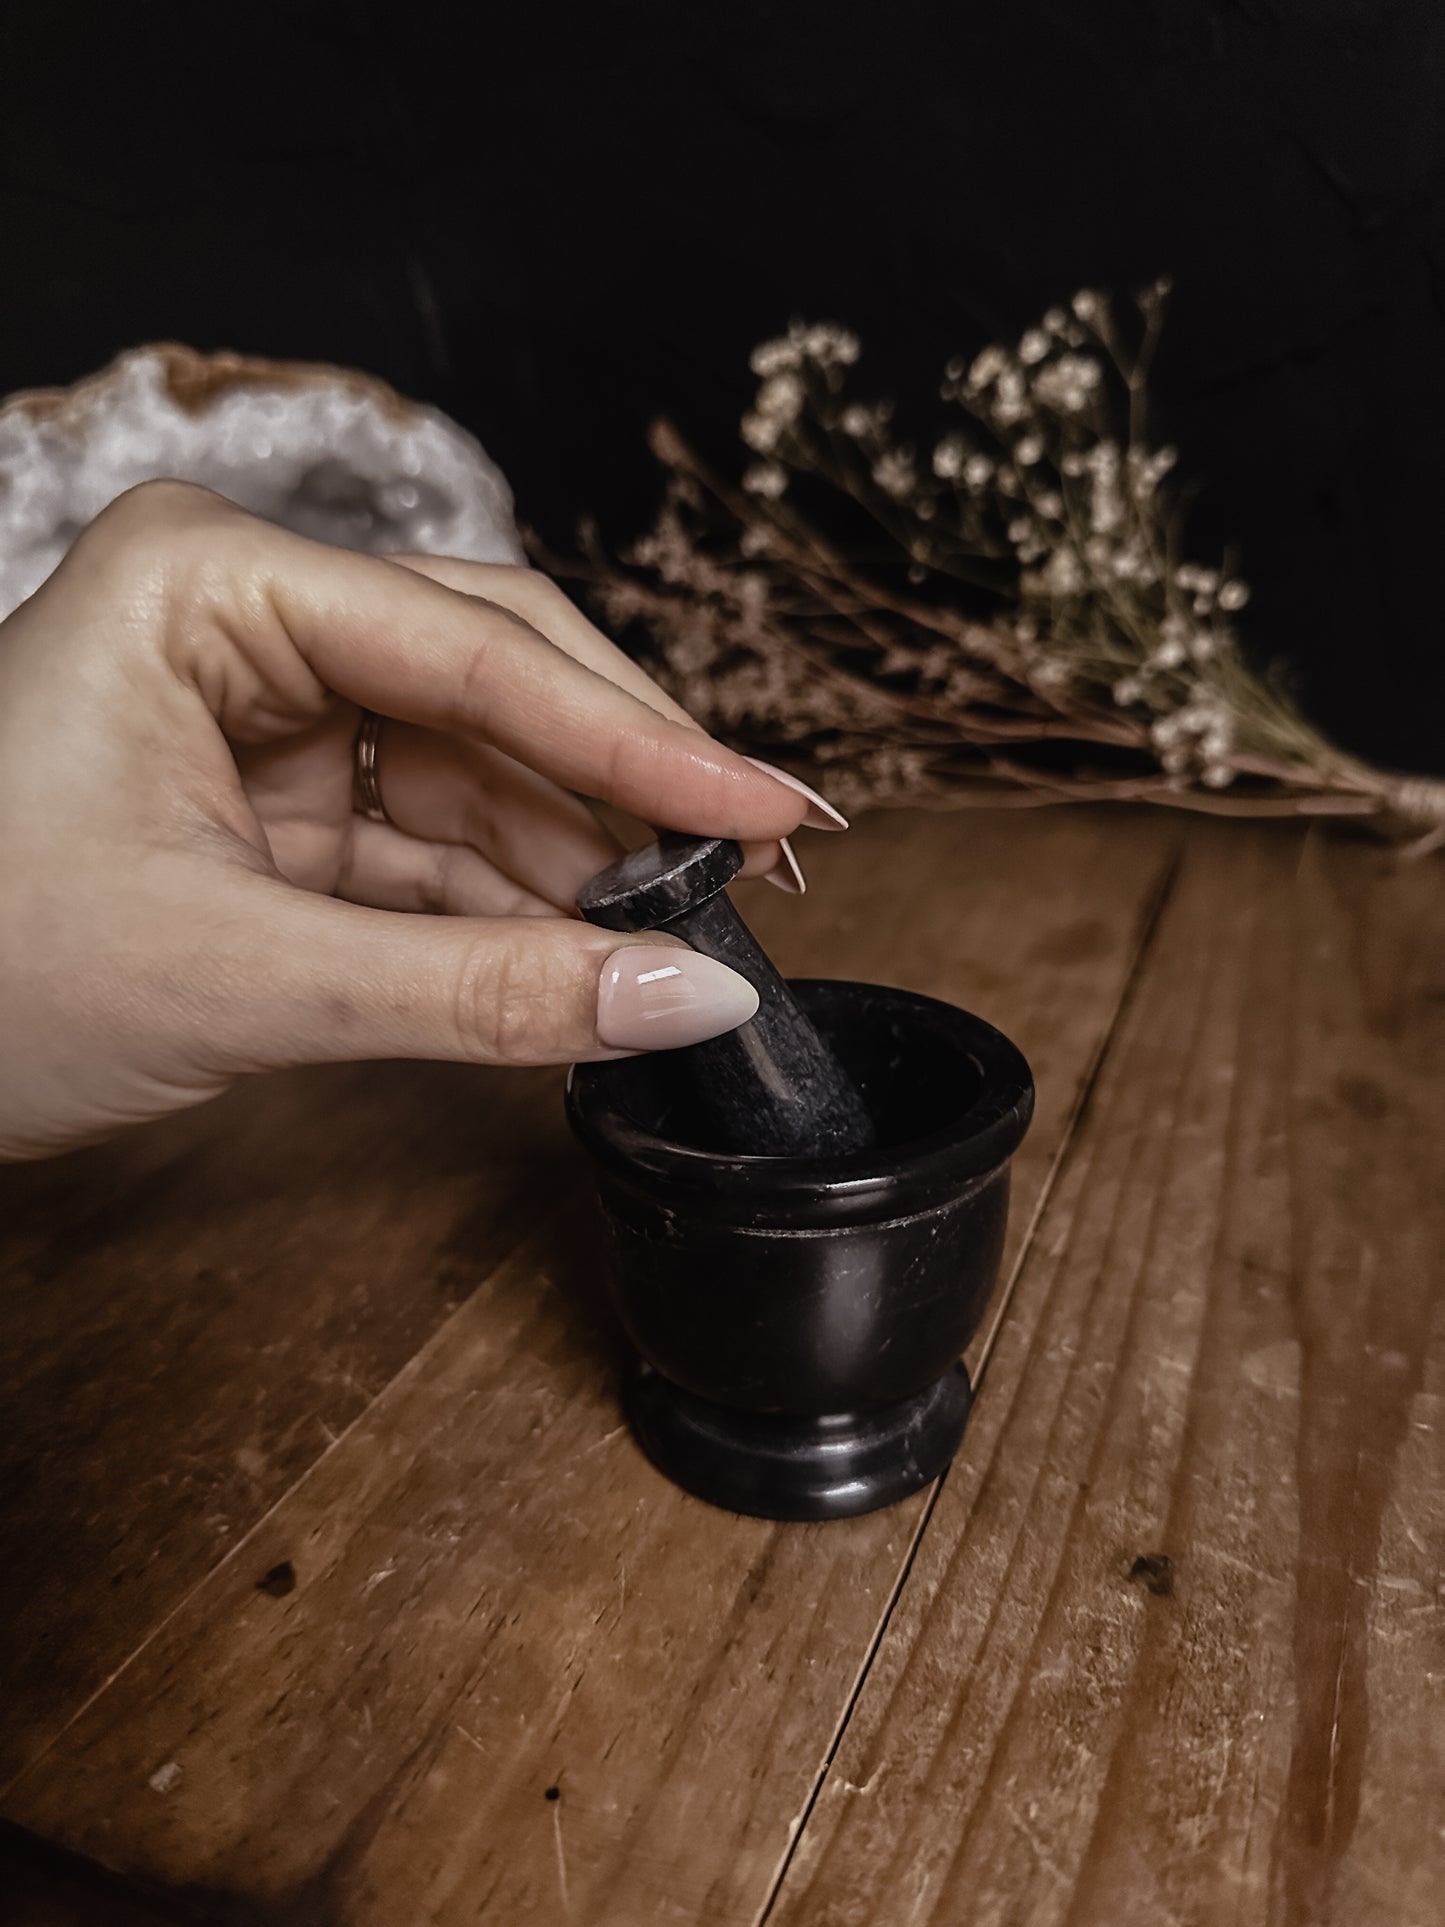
pixel 821 814
pixel 656 998
pixel 787 873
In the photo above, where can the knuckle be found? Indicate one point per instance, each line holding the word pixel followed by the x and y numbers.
pixel 444 884
pixel 434 885
pixel 507 1004
pixel 156 531
pixel 534 596
pixel 534 583
pixel 162 507
pixel 474 681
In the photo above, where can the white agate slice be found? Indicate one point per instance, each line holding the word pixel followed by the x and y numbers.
pixel 324 451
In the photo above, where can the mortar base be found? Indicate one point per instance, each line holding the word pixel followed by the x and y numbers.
pixel 831 1466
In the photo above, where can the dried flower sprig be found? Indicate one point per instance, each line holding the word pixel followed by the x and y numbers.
pixel 1040 596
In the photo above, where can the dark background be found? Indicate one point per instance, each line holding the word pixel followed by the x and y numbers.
pixel 556 223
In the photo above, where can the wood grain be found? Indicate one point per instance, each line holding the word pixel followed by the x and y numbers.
pixel 186 1332
pixel 1172 1646
pixel 495 1596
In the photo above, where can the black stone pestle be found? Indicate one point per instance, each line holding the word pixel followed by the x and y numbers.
pixel 771 1088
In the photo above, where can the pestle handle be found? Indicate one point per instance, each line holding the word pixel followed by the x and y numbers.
pixel 771 1088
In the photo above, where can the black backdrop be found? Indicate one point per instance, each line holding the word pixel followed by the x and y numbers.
pixel 556 222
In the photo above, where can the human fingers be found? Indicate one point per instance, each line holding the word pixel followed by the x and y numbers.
pixel 389 870
pixel 342 983
pixel 457 789
pixel 539 599
pixel 269 627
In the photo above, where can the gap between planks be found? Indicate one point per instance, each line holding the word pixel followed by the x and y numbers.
pixel 1148 928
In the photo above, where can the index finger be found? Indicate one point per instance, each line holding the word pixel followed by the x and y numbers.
pixel 401 643
pixel 553 613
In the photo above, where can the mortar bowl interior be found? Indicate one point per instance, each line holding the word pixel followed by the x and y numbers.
pixel 948 1093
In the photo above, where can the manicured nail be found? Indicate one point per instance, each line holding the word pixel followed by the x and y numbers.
pixel 787 872
pixel 653 997
pixel 821 814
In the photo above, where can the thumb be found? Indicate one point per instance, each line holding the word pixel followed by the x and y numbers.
pixel 331 981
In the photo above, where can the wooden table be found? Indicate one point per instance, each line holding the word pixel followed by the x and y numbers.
pixel 336 1592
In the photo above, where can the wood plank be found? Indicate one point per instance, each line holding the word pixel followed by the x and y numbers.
pixel 191 1317
pixel 495 1595
pixel 1171 1647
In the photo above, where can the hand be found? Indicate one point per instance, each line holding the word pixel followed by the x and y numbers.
pixel 179 706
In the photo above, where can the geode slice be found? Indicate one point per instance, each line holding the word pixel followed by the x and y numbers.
pixel 326 451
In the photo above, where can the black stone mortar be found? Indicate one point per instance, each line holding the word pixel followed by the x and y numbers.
pixel 798 1321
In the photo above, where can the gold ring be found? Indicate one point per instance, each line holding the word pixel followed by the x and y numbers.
pixel 365 788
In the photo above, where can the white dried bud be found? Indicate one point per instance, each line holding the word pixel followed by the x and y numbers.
pixel 953 368
pixel 1050 504
pixel 948 458
pixel 1074 464
pixel 1068 383
pixel 771 357
pixel 1085 304
pixel 761 432
pixel 987 367
pixel 752 595
pixel 1128 690
pixel 1194 580
pixel 766 479
pixel 857 420
pixel 1055 321
pixel 1169 655
pixel 780 395
pixel 1218 776
pixel 826 345
pixel 1063 573
pixel 1020 529
pixel 1009 403
pixel 1233 595
pixel 977 471
pixel 1050 675
pixel 1028 451
pixel 1033 347
pixel 894 473
pixel 1106 510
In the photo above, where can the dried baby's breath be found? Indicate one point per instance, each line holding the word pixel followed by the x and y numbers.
pixel 1036 634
